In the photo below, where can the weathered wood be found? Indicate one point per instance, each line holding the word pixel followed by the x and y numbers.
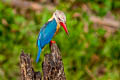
pixel 27 71
pixel 52 66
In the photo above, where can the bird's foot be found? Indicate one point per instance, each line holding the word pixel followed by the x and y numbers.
pixel 51 42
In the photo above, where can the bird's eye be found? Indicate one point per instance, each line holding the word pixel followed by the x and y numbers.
pixel 59 18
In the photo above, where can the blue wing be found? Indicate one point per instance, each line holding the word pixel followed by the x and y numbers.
pixel 46 33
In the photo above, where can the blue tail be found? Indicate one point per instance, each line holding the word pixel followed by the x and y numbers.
pixel 38 55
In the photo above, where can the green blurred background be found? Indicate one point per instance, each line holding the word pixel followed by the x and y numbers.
pixel 91 52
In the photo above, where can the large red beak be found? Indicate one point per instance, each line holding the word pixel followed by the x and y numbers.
pixel 64 26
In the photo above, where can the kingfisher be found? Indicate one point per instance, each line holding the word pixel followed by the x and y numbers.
pixel 50 29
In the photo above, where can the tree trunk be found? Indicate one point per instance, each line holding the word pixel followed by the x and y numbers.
pixel 52 66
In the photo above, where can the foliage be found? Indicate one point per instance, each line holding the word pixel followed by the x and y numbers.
pixel 81 50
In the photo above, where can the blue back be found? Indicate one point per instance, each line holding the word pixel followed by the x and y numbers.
pixel 46 33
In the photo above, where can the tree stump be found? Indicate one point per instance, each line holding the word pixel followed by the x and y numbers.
pixel 52 66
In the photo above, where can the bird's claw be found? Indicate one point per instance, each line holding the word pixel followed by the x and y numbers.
pixel 51 42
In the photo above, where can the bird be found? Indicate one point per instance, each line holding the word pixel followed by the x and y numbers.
pixel 50 29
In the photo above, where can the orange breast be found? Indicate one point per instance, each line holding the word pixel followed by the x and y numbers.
pixel 57 30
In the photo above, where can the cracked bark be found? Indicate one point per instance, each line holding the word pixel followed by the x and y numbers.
pixel 52 66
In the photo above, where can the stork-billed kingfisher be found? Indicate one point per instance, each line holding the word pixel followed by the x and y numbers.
pixel 50 29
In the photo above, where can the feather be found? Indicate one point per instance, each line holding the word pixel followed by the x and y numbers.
pixel 47 32
pixel 45 35
pixel 38 55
